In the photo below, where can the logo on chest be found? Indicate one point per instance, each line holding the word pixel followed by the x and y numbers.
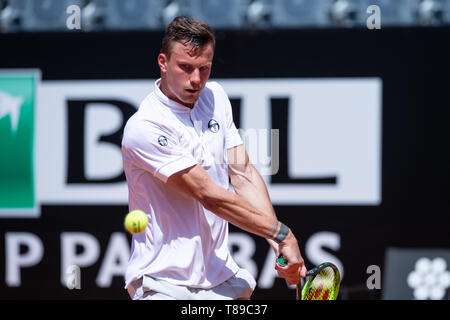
pixel 162 141
pixel 213 126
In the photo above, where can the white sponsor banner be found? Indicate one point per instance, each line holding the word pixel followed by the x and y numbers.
pixel 52 139
pixel 334 129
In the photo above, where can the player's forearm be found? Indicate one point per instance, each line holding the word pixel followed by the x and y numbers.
pixel 241 212
pixel 195 182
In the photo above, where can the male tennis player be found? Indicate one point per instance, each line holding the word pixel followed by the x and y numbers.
pixel 179 150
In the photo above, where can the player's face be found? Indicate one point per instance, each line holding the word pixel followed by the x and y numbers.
pixel 184 75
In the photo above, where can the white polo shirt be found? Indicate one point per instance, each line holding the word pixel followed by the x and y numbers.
pixel 184 243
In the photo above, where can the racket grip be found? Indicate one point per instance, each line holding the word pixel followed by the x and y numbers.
pixel 282 260
pixel 298 288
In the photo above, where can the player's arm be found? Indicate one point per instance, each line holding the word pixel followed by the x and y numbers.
pixel 195 182
pixel 248 183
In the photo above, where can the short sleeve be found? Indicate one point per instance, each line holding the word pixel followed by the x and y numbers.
pixel 233 137
pixel 155 149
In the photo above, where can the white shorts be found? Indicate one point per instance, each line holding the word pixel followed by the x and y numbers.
pixel 238 287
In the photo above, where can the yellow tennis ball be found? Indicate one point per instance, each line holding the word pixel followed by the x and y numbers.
pixel 136 221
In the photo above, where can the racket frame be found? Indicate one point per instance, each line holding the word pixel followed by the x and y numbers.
pixel 299 294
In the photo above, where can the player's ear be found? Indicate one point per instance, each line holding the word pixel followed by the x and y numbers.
pixel 162 62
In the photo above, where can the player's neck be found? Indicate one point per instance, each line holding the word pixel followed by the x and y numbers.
pixel 165 90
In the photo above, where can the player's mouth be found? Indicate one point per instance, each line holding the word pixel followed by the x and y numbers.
pixel 193 91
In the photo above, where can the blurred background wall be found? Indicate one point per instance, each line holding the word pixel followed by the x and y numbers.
pixel 343 106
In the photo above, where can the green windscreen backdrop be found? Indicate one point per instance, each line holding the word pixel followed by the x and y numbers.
pixel 17 103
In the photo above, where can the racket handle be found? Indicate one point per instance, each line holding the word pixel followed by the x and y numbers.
pixel 282 260
pixel 298 290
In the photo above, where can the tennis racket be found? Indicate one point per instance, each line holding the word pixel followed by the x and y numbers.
pixel 322 282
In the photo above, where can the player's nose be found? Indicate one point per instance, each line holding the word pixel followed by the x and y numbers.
pixel 195 79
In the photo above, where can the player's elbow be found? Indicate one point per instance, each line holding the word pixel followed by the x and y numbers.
pixel 211 197
pixel 195 182
pixel 208 199
pixel 209 204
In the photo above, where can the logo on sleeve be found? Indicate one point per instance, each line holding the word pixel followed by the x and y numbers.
pixel 162 141
pixel 213 126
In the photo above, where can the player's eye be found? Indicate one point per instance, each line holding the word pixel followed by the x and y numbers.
pixel 185 67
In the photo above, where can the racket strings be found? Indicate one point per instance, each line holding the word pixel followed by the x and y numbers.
pixel 323 286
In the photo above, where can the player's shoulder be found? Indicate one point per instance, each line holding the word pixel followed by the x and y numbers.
pixel 149 119
pixel 150 111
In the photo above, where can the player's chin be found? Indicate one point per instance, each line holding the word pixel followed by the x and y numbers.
pixel 190 99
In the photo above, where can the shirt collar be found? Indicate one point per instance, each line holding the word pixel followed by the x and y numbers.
pixel 175 106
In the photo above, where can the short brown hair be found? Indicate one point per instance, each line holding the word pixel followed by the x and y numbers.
pixel 187 31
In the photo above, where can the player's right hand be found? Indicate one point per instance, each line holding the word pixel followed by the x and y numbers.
pixel 295 267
